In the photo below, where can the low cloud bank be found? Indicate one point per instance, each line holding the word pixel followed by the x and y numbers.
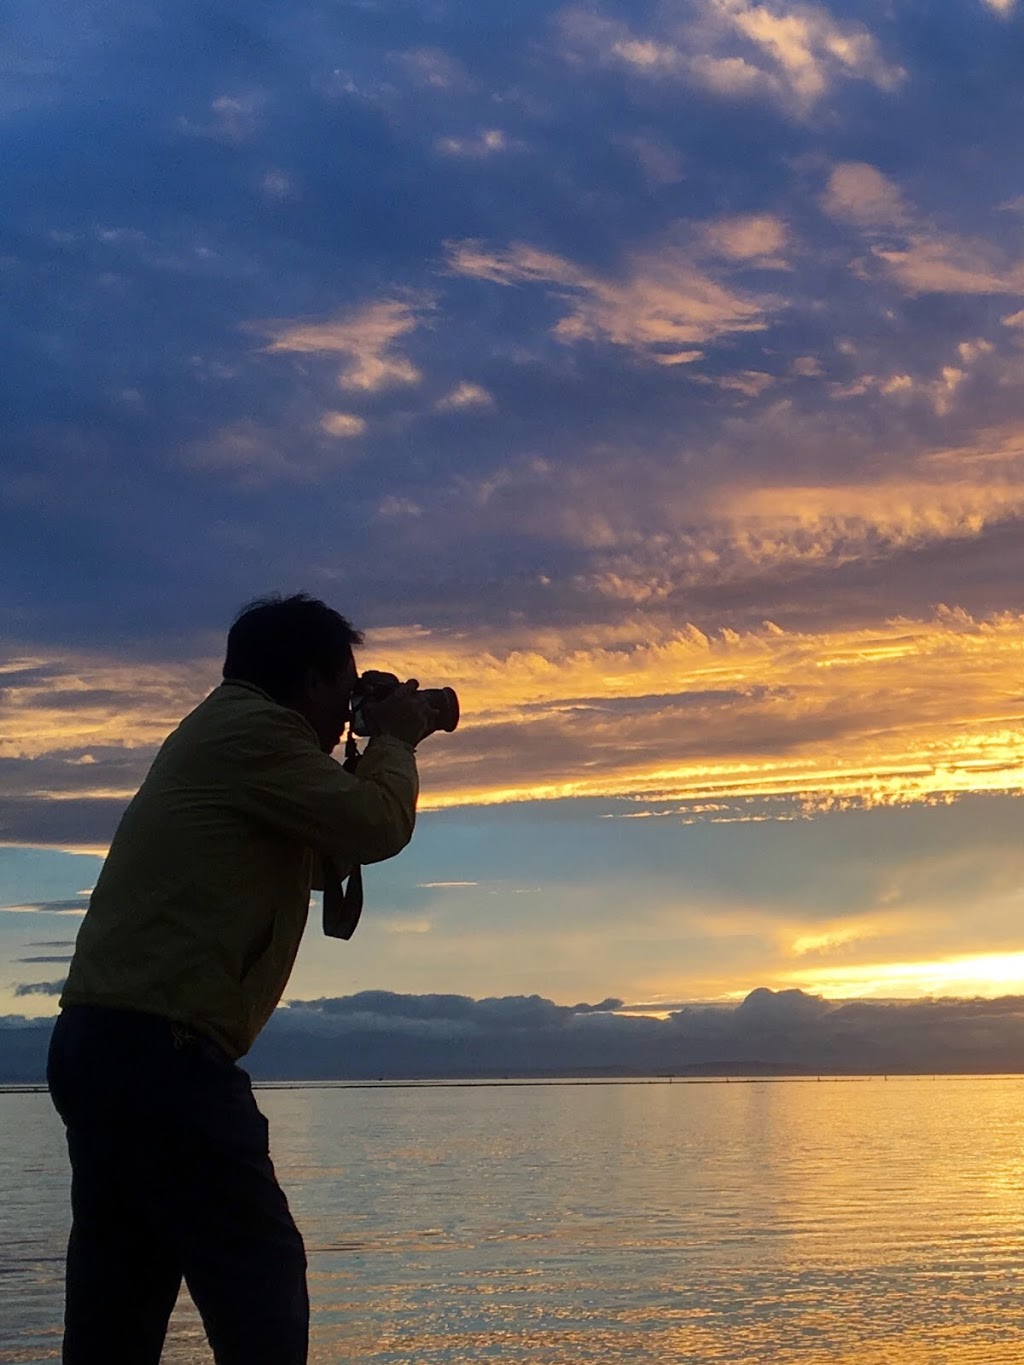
pixel 378 1034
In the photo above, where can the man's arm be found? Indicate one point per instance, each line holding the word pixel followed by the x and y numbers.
pixel 293 786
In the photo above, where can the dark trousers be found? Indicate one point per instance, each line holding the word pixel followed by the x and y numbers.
pixel 171 1178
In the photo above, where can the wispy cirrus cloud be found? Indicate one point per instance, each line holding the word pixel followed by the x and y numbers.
pixel 253 455
pixel 908 711
pixel 920 256
pixel 366 337
pixel 663 306
pixel 914 711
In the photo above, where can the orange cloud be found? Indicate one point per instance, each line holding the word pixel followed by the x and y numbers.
pixel 758 238
pixel 663 306
pixel 366 336
pixel 858 193
pixel 935 262
pixel 792 55
pixel 927 259
pixel 912 711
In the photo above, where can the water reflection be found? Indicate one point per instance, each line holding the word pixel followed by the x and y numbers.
pixel 870 1222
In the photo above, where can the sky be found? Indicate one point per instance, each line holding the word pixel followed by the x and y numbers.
pixel 649 373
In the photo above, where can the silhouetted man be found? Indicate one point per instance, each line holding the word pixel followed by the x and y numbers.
pixel 183 955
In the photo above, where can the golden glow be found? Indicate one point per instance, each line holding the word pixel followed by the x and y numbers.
pixel 987 975
pixel 693 725
pixel 74 704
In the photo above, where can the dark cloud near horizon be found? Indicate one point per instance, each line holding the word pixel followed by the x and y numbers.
pixel 768 1030
pixel 54 907
pixel 380 1034
pixel 509 1012
pixel 40 988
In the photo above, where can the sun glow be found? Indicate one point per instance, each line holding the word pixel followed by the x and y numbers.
pixel 985 975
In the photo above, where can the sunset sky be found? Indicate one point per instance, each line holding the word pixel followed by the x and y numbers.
pixel 652 373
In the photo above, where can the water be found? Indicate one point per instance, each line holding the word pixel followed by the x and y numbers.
pixel 792 1222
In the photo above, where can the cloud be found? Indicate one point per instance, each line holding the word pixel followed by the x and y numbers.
pixel 769 1031
pixel 253 455
pixel 465 395
pixel 276 185
pixel 657 158
pixel 74 706
pixel 230 118
pixel 40 988
pixel 750 383
pixel 944 263
pixel 808 47
pixel 754 238
pixel 663 307
pixel 366 337
pixel 391 508
pixel 342 424
pixel 911 709
pixel 939 391
pixel 909 712
pixel 806 367
pixel 433 69
pixel 921 257
pixel 379 1035
pixel 858 193
pixel 487 142
pixel 736 50
pixel 70 906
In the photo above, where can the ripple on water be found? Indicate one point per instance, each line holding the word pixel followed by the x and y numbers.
pixel 714 1225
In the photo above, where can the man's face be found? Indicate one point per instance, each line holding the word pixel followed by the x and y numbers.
pixel 325 703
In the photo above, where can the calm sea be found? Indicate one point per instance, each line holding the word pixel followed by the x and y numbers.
pixel 859 1221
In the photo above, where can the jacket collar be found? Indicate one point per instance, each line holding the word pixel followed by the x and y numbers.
pixel 259 692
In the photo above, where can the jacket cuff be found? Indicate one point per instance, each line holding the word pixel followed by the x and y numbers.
pixel 378 740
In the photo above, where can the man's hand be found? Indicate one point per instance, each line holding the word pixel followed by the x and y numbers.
pixel 405 714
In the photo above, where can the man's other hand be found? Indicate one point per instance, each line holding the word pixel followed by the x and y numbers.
pixel 405 714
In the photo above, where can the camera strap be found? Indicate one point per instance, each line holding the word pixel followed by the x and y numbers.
pixel 343 904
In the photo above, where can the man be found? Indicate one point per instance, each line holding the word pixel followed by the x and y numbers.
pixel 182 957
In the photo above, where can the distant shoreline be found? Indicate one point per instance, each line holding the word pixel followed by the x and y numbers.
pixel 483 1083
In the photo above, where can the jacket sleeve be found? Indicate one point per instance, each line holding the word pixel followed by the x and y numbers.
pixel 297 789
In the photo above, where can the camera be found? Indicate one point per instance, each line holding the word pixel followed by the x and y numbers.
pixel 373 687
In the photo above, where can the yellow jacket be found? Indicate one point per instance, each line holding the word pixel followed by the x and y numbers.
pixel 200 906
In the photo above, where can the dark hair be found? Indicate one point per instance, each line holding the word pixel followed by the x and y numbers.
pixel 274 641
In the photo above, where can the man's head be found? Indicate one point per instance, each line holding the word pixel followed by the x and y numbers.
pixel 299 651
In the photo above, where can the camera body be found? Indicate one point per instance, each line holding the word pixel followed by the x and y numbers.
pixel 374 686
